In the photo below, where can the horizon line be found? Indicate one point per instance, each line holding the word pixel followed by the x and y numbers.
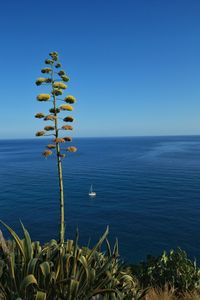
pixel 96 137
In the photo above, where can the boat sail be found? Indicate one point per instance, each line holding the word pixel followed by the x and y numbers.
pixel 91 192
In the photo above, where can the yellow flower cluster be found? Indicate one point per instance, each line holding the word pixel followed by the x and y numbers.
pixel 67 139
pixel 42 80
pixel 59 140
pixel 43 97
pixel 53 110
pixel 59 85
pixel 50 118
pixel 40 133
pixel 58 65
pixel 70 99
pixel 67 127
pixel 61 73
pixel 39 115
pixel 68 119
pixel 46 70
pixel 65 78
pixel 66 107
pixel 48 61
pixel 57 92
pixel 46 153
pixel 51 146
pixel 54 55
pixel 49 128
pixel 71 149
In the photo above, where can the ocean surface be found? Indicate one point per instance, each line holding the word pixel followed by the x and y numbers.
pixel 148 192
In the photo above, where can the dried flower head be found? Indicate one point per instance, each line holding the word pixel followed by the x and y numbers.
pixel 68 119
pixel 39 115
pixel 71 149
pixel 42 80
pixel 66 107
pixel 51 146
pixel 70 99
pixel 59 85
pixel 46 153
pixel 46 70
pixel 67 139
pixel 62 155
pixel 43 97
pixel 53 110
pixel 40 133
pixel 48 61
pixel 50 118
pixel 49 128
pixel 61 73
pixel 57 92
pixel 65 78
pixel 58 65
pixel 67 127
pixel 59 140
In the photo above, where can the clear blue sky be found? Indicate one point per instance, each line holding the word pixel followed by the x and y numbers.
pixel 134 64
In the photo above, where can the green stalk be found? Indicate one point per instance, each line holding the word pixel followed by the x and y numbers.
pixel 60 173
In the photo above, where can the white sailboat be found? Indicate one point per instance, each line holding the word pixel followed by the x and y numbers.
pixel 91 192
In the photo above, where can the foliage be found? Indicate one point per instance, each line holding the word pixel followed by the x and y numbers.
pixel 173 268
pixel 54 271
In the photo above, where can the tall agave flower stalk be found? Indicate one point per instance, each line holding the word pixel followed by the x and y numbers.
pixel 56 78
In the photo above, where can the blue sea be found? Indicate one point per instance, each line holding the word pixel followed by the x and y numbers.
pixel 148 192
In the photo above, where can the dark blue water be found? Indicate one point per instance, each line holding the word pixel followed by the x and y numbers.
pixel 148 192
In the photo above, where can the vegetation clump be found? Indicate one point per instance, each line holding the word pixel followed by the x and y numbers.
pixel 33 272
pixel 174 269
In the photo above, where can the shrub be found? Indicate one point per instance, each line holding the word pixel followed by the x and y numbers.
pixel 173 268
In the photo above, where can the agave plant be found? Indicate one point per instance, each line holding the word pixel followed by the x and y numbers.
pixel 34 272
pixel 56 79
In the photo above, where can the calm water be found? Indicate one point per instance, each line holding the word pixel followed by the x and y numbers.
pixel 148 191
